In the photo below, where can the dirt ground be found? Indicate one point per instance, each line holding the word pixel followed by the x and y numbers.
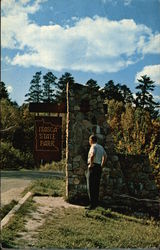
pixel 45 205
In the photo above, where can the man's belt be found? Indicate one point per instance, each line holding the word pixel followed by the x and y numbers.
pixel 96 164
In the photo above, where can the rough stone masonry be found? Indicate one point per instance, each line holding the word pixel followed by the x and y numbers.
pixel 130 184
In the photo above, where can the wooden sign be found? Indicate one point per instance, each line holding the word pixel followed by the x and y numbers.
pixel 47 107
pixel 48 138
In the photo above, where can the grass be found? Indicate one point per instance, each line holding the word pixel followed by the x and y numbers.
pixel 6 208
pixel 79 228
pixel 47 186
pixel 76 228
pixel 54 166
pixel 16 224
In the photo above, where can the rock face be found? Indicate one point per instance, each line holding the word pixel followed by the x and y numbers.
pixel 121 176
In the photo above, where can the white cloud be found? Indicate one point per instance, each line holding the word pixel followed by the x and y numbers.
pixel 153 45
pixel 90 44
pixel 75 18
pixel 9 88
pixel 7 60
pixel 14 21
pixel 153 71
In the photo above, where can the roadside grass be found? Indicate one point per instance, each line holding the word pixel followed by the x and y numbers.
pixel 47 186
pixel 4 210
pixel 54 166
pixel 100 228
pixel 16 224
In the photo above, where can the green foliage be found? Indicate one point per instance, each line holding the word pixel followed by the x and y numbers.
pixel 6 208
pixel 16 136
pixel 26 129
pixel 48 186
pixel 35 91
pixel 144 98
pixel 111 91
pixel 12 158
pixel 61 86
pixel 126 93
pixel 115 110
pixel 137 128
pixel 3 91
pixel 10 119
pixel 135 133
pixel 92 84
pixel 54 166
pixel 132 128
pixel 117 92
pixel 48 87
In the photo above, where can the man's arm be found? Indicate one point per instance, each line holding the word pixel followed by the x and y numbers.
pixel 93 152
pixel 91 160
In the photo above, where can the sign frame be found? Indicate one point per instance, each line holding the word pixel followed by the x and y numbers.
pixel 48 138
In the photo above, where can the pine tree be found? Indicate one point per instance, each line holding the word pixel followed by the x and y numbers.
pixel 61 86
pixel 48 87
pixel 126 93
pixel 92 84
pixel 111 91
pixel 3 91
pixel 144 98
pixel 35 91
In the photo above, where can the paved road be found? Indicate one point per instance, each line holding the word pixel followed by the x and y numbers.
pixel 13 183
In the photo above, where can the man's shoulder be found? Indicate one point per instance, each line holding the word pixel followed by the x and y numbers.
pixel 98 145
pixel 101 148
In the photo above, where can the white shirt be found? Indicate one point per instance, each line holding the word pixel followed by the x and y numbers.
pixel 98 152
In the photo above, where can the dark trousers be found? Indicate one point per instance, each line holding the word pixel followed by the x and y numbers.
pixel 93 183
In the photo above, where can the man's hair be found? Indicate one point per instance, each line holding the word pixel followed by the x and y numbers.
pixel 93 138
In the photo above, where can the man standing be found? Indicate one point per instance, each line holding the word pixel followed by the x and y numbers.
pixel 96 160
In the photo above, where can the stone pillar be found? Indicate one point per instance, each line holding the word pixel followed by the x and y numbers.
pixel 85 116
pixel 75 160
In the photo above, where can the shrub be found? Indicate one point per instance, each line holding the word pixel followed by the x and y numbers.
pixel 55 166
pixel 12 158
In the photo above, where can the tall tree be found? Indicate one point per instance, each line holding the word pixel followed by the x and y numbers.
pixel 61 86
pixel 92 84
pixel 126 93
pixel 144 98
pixel 3 91
pixel 48 87
pixel 35 90
pixel 111 91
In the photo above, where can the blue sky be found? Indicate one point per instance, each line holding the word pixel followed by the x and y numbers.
pixel 104 40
